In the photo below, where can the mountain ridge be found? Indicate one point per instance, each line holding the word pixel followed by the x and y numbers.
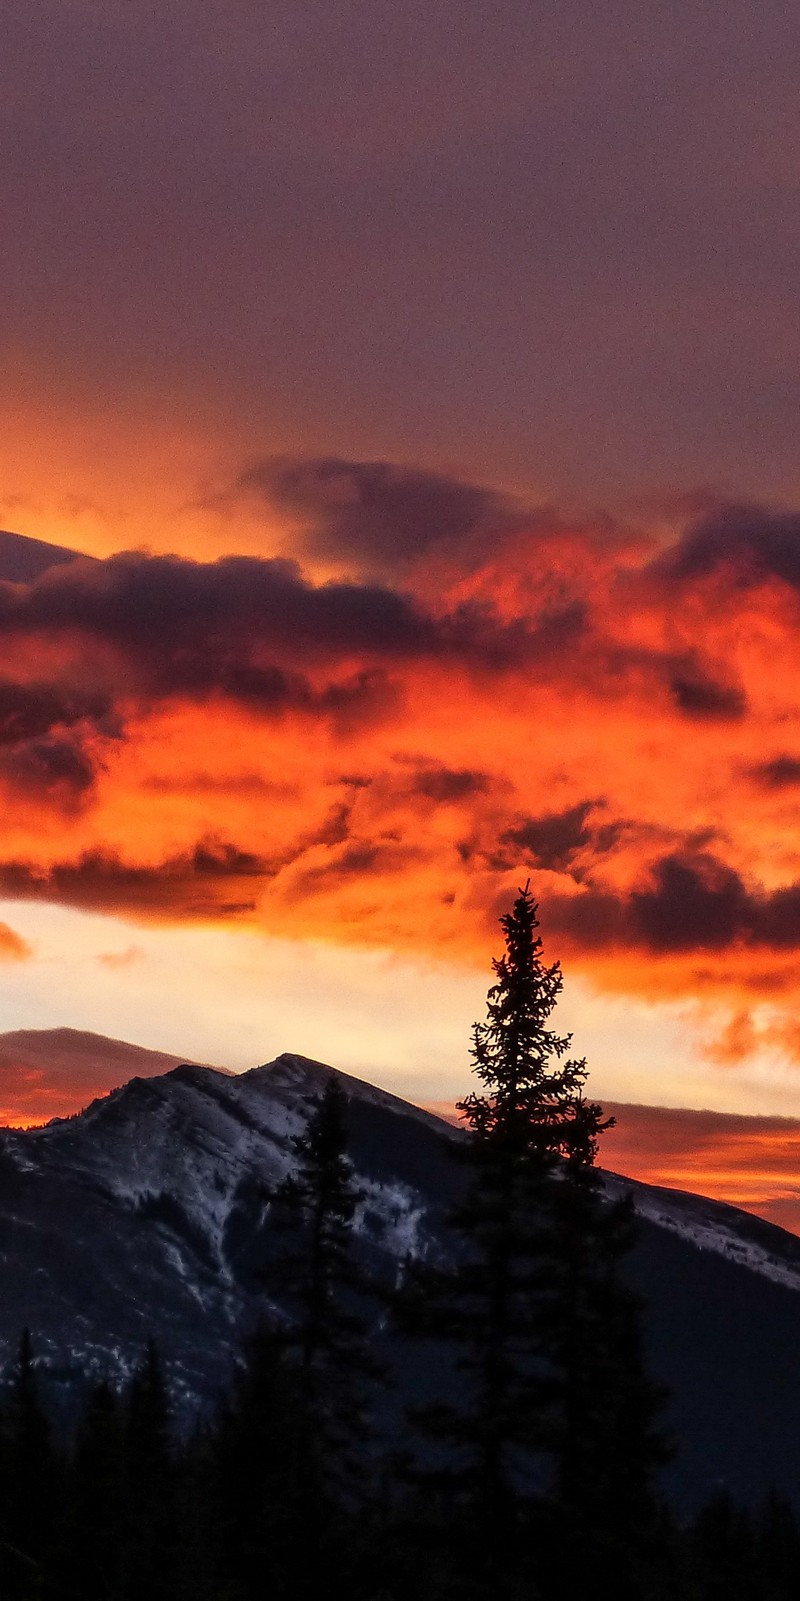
pixel 23 558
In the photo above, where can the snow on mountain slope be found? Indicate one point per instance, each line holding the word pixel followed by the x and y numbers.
pixel 714 1226
pixel 201 1136
pixel 147 1213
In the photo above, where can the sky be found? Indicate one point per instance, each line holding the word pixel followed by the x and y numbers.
pixel 402 402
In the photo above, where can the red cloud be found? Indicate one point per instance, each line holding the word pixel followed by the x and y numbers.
pixel 752 1162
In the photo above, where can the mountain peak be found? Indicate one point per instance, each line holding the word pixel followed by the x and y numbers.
pixel 23 559
pixel 295 1073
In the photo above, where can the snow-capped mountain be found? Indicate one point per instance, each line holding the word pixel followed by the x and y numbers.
pixel 142 1215
pixel 146 1215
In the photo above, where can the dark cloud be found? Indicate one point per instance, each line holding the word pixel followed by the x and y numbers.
pixel 51 739
pixel 255 631
pixel 54 768
pixel 750 543
pixel 381 514
pixel 192 626
pixel 782 772
pixel 30 710
pixel 702 698
pixel 335 830
pixel 667 1130
pixel 550 840
pixel 692 903
pixel 214 879
pixel 446 785
pixel 181 615
pixel 779 922
pixel 354 781
pixel 594 920
pixel 357 859
pixel 259 633
pixel 223 783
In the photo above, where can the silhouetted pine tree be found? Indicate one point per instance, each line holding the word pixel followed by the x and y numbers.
pixel 327 1296
pixel 151 1534
pixel 272 1520
pixel 29 1483
pixel 601 1407
pixel 723 1561
pixel 777 1550
pixel 545 1336
pixel 488 1466
pixel 95 1531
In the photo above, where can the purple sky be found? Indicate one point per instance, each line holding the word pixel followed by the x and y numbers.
pixel 551 245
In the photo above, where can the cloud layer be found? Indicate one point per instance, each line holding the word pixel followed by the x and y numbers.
pixel 751 1162
pixel 592 705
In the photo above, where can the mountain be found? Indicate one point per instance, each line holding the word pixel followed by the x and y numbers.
pixel 146 1215
pixel 23 559
pixel 46 1072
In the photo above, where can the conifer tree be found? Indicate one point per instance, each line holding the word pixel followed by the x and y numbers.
pixel 150 1501
pixel 325 1292
pixel 724 1553
pixel 270 1519
pixel 545 1335
pixel 96 1523
pixel 492 1308
pixel 291 1449
pixel 28 1482
pixel 778 1549
pixel 602 1409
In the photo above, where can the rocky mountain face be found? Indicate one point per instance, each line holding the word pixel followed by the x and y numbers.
pixel 144 1215
pixel 147 1214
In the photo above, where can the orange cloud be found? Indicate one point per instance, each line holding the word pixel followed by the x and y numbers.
pixel 13 948
pixel 751 1162
pixel 592 706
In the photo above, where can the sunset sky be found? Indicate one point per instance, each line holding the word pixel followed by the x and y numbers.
pixel 411 393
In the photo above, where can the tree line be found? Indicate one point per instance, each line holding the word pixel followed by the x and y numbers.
pixel 528 1466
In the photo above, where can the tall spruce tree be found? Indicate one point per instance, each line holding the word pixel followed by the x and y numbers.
pixel 29 1482
pixel 552 1417
pixel 151 1534
pixel 602 1409
pixel 269 1517
pixel 94 1554
pixel 326 1294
